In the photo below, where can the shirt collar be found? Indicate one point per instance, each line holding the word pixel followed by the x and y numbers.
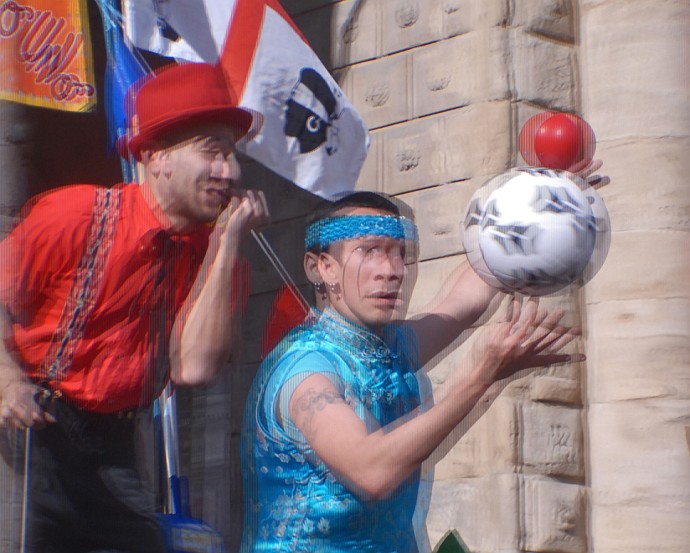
pixel 156 222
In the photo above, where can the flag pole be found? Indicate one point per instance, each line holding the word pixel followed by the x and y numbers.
pixel 280 269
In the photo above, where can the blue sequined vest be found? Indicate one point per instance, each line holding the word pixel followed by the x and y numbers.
pixel 293 503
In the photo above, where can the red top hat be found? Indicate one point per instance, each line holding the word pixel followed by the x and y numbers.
pixel 179 96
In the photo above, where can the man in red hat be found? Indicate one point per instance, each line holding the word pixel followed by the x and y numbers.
pixel 107 294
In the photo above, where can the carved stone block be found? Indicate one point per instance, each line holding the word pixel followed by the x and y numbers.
pixel 483 510
pixel 477 141
pixel 463 70
pixel 379 90
pixel 356 32
pixel 554 517
pixel 545 72
pixel 554 389
pixel 553 18
pixel 441 209
pixel 412 157
pixel 430 274
pixel 342 33
pixel 409 23
pixel 551 439
pixel 487 447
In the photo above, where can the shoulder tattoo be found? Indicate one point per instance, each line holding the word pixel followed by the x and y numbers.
pixel 312 402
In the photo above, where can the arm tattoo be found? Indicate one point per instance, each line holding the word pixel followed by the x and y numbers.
pixel 309 404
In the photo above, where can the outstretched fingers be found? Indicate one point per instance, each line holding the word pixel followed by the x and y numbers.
pixel 523 319
pixel 593 180
pixel 546 331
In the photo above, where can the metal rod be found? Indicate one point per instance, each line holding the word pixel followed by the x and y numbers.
pixel 280 268
pixel 25 498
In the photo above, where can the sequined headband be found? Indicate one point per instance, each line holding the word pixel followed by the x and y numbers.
pixel 325 232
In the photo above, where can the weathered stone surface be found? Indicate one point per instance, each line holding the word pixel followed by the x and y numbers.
pixel 555 516
pixel 459 71
pixel 551 439
pixel 431 275
pixel 634 68
pixel 457 145
pixel 552 18
pixel 556 390
pixel 616 428
pixel 477 509
pixel 544 72
pixel 371 175
pixel 488 447
pixel 635 83
pixel 442 209
pixel 478 139
pixel 638 349
pixel 640 500
pixel 633 528
pixel 664 273
pixel 647 189
pixel 343 33
pixel 407 23
pixel 380 90
pixel 412 156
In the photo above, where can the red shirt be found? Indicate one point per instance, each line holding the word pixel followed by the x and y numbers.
pixel 120 360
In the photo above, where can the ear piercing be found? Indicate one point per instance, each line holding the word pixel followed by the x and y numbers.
pixel 319 287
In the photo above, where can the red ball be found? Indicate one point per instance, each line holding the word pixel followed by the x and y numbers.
pixel 557 141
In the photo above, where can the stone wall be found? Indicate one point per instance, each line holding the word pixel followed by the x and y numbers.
pixel 636 83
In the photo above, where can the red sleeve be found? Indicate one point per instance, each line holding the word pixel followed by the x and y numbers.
pixel 45 246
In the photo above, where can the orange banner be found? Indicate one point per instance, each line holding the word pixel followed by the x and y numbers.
pixel 45 54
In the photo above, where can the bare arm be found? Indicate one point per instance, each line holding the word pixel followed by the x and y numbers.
pixel 374 464
pixel 204 334
pixel 461 301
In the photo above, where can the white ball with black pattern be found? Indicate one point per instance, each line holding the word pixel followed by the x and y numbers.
pixel 531 231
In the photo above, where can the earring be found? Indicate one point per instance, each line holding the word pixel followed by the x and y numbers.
pixel 333 287
pixel 320 288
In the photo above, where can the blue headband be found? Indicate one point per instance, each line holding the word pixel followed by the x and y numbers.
pixel 325 232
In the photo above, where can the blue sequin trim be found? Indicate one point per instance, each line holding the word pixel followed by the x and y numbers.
pixel 325 232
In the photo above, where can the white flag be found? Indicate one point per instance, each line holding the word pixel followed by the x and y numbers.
pixel 311 133
pixel 192 30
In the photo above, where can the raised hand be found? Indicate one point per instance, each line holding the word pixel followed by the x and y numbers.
pixel 526 337
pixel 588 173
pixel 246 211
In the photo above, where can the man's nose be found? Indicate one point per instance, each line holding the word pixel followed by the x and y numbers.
pixel 226 168
pixel 392 267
